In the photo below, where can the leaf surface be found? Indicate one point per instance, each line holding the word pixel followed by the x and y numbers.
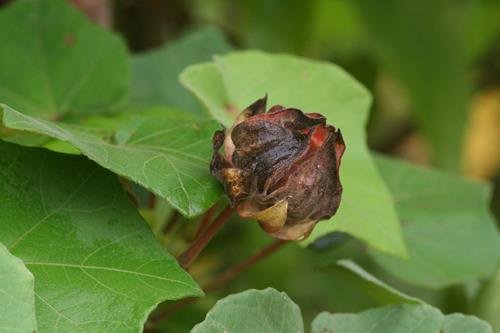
pixel 450 233
pixel 96 264
pixel 399 319
pixel 17 295
pixel 166 151
pixel 376 289
pixel 55 62
pixel 271 311
pixel 264 311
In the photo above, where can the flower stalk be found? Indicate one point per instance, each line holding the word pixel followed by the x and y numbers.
pixel 189 256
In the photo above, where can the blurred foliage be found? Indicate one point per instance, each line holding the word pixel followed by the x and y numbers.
pixel 419 43
pixel 482 149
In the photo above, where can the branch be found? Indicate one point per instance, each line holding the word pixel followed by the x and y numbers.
pixel 206 220
pixel 235 270
pixel 190 255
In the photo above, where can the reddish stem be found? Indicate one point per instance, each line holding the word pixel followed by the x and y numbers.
pixel 151 200
pixel 190 255
pixel 235 270
pixel 128 189
pixel 206 220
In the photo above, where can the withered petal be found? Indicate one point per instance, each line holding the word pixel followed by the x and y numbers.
pixel 275 108
pixel 218 162
pixel 235 183
pixel 297 231
pixel 339 148
pixel 271 219
pixel 257 107
pixel 218 139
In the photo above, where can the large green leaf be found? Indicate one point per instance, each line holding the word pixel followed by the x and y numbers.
pixel 237 80
pixel 449 231
pixel 263 311
pixel 155 73
pixel 376 289
pixel 399 319
pixel 17 295
pixel 166 151
pixel 54 61
pixel 96 264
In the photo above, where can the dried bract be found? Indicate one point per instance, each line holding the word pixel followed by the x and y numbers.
pixel 280 167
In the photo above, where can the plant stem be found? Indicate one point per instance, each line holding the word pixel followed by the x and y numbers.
pixel 128 189
pixel 151 200
pixel 206 220
pixel 235 270
pixel 190 255
pixel 222 279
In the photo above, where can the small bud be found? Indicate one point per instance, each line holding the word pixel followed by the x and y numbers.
pixel 280 167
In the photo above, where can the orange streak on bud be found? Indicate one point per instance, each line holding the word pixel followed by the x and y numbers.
pixel 319 136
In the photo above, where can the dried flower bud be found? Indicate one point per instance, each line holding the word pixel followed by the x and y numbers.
pixel 280 167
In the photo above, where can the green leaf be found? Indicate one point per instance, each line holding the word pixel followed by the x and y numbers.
pixel 166 151
pixel 17 296
pixel 155 73
pixel 263 311
pixel 460 323
pixel 399 319
pixel 449 231
pixel 55 62
pixel 487 303
pixel 237 80
pixel 360 279
pixel 96 264
pixel 390 319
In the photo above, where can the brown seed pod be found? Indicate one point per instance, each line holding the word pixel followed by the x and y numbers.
pixel 280 167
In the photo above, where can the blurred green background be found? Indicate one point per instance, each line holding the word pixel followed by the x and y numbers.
pixel 433 68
